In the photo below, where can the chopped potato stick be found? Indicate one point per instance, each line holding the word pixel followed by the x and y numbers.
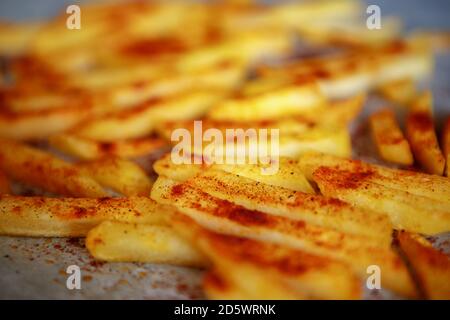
pixel 315 209
pixel 421 135
pixel 407 211
pixel 431 267
pixel 284 102
pixel 73 217
pixel 87 149
pixel 131 242
pixel 4 184
pixel 391 144
pixel 140 121
pixel 400 91
pixel 292 273
pixel 41 169
pixel 421 184
pixel 123 176
pixel 224 217
pixel 446 146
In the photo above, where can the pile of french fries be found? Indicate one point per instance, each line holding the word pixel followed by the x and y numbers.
pixel 82 109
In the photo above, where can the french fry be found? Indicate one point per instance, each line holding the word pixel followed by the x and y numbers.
pixel 4 184
pixel 140 121
pixel 335 141
pixel 421 135
pixel 347 73
pixel 73 217
pixel 351 32
pixel 288 175
pixel 218 286
pixel 130 242
pixel 400 91
pixel 425 185
pixel 391 144
pixel 315 209
pixel 41 169
pixel 87 149
pixel 446 146
pixel 221 286
pixel 341 112
pixel 223 217
pixel 123 176
pixel 331 141
pixel 407 211
pixel 291 273
pixel 281 103
pixel 41 124
pixel 432 267
pixel 178 172
pixel 222 77
pixel 14 38
pixel 249 45
pixel 437 40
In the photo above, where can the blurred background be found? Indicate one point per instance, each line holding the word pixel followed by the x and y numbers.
pixel 423 13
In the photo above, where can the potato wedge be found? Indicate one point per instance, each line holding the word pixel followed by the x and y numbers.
pixel 446 146
pixel 291 273
pixel 4 184
pixel 284 102
pixel 316 209
pixel 432 267
pixel 426 185
pixel 391 144
pixel 123 176
pixel 41 169
pixel 73 217
pixel 223 217
pixel 131 242
pixel 421 135
pixel 87 149
pixel 407 211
